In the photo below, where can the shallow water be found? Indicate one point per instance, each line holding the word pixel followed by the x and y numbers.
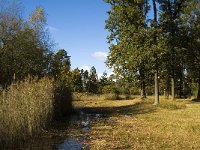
pixel 74 136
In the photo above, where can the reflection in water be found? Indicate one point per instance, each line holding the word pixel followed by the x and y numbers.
pixel 83 120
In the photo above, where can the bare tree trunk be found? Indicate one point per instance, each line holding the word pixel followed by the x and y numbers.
pixel 156 102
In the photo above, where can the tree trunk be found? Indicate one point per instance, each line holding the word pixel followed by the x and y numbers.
pixel 142 83
pixel 143 89
pixel 156 102
pixel 198 94
pixel 181 84
pixel 167 88
pixel 173 89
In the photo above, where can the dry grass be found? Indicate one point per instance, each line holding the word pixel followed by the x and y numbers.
pixel 108 96
pixel 25 109
pixel 137 124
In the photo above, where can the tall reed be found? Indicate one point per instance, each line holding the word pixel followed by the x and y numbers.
pixel 26 108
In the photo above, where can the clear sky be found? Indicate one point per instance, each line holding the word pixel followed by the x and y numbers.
pixel 78 27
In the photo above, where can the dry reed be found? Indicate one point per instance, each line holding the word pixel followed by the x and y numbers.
pixel 26 108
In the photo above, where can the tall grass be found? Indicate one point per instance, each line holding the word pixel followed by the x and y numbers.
pixel 26 108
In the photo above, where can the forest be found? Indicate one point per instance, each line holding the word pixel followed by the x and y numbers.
pixel 151 101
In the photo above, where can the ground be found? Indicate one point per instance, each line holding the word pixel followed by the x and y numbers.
pixel 137 124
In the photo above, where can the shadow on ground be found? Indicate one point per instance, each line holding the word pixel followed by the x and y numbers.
pixel 134 109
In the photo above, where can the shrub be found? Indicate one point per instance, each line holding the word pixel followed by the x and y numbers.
pixel 63 100
pixel 111 96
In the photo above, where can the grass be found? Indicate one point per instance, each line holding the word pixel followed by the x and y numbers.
pixel 108 96
pixel 27 108
pixel 137 124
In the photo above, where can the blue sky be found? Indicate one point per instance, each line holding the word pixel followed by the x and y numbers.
pixel 78 27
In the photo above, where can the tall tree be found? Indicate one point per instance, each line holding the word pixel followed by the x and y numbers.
pixel 171 11
pixel 128 28
pixel 191 26
pixel 156 102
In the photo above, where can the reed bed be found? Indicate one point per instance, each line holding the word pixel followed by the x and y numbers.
pixel 26 108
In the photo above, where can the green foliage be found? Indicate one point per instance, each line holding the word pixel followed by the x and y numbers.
pixel 139 46
pixel 110 89
pixel 62 100
pixel 24 45
pixel 93 81
pixel 194 89
pixel 77 80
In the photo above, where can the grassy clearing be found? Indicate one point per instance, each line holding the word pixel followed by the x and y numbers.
pixel 28 107
pixel 137 124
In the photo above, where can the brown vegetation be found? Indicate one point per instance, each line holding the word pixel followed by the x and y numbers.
pixel 27 108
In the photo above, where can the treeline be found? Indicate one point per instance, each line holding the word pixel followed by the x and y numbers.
pixel 88 82
pixel 156 43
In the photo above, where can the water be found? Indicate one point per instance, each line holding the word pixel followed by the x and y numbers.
pixel 73 136
pixel 77 143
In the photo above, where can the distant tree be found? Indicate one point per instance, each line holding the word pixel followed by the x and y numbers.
pixel 77 80
pixel 93 81
pixel 103 81
pixel 61 66
pixel 85 80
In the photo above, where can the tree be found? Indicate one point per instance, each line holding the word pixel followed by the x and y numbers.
pixel 171 12
pixel 61 66
pixel 136 49
pixel 191 26
pixel 155 22
pixel 128 33
pixel 93 81
pixel 77 85
pixel 85 80
pixel 21 51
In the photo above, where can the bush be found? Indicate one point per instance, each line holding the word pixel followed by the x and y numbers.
pixel 63 100
pixel 109 89
pixel 111 96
